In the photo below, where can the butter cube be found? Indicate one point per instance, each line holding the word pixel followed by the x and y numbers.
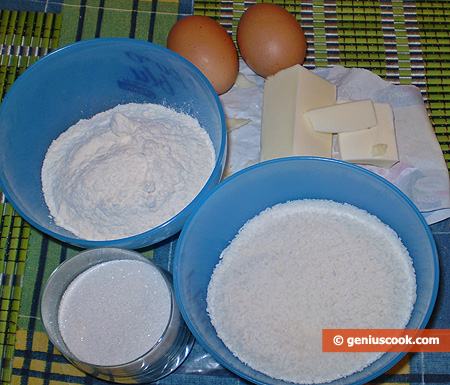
pixel 344 117
pixel 286 130
pixel 376 146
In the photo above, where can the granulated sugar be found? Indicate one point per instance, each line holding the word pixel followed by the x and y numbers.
pixel 303 266
pixel 125 171
pixel 114 312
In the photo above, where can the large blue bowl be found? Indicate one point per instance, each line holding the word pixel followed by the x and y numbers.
pixel 78 81
pixel 215 222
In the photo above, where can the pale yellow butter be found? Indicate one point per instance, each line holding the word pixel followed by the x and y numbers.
pixel 344 117
pixel 234 124
pixel 286 130
pixel 376 146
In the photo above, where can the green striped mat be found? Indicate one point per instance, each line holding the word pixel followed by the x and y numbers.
pixel 24 37
pixel 13 249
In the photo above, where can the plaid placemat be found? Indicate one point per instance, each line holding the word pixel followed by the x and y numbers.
pixel 406 42
pixel 145 19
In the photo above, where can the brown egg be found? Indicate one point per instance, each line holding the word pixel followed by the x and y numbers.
pixel 270 39
pixel 207 45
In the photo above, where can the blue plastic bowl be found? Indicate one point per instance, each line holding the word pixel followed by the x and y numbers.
pixel 78 81
pixel 215 222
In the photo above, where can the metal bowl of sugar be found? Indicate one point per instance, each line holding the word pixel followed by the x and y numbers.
pixel 103 143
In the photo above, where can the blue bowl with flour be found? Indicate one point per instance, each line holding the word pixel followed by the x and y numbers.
pixel 79 81
pixel 245 194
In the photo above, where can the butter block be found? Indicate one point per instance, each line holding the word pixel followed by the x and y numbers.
pixel 344 117
pixel 286 130
pixel 376 146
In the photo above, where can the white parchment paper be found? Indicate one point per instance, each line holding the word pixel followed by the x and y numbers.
pixel 421 174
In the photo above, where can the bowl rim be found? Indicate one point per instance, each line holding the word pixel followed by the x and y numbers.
pixel 101 255
pixel 396 357
pixel 136 241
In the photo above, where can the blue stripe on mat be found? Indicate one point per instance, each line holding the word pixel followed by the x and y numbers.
pixel 47 6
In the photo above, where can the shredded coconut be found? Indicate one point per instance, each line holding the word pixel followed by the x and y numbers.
pixel 303 266
pixel 125 170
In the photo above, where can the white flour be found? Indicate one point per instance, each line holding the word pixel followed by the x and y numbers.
pixel 298 268
pixel 125 171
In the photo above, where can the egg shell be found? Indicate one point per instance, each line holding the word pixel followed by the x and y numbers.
pixel 270 39
pixel 207 45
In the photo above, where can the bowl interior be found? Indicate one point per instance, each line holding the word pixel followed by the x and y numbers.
pixel 78 81
pixel 245 194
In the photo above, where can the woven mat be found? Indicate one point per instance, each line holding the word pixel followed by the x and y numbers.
pixel 403 41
